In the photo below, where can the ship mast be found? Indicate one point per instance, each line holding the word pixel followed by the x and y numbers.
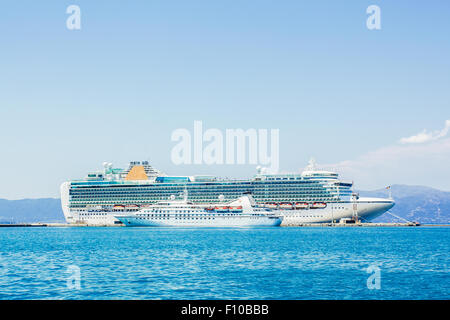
pixel 185 194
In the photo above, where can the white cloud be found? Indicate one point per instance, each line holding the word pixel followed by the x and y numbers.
pixel 414 164
pixel 426 136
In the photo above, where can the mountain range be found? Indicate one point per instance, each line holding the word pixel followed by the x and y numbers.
pixel 413 203
pixel 31 210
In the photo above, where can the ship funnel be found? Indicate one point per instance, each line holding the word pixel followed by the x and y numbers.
pixel 245 201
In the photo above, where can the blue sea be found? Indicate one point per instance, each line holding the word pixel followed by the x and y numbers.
pixel 265 263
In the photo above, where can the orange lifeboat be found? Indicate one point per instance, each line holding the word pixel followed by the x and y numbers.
pixel 271 205
pixel 222 209
pixel 286 205
pixel 236 209
pixel 318 205
pixel 301 205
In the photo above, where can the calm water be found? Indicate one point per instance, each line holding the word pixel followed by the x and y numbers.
pixel 270 263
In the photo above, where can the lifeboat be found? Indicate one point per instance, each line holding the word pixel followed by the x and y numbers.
pixel 118 206
pixel 209 209
pixel 286 205
pixel 271 205
pixel 301 205
pixel 222 209
pixel 236 209
pixel 318 205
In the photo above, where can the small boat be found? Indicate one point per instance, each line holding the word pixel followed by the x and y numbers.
pixel 237 209
pixel 301 205
pixel 318 205
pixel 286 205
pixel 271 205
pixel 222 209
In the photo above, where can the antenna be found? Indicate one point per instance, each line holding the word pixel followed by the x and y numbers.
pixel 390 191
pixel 185 193
pixel 311 164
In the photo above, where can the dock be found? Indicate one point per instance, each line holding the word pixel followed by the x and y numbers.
pixel 52 224
pixel 12 225
pixel 337 225
pixel 359 224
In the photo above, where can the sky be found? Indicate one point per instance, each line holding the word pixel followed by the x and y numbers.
pixel 372 104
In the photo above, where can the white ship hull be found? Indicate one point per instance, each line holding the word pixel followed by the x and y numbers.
pixel 219 222
pixel 366 209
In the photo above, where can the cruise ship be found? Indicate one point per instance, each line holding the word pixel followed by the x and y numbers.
pixel 313 196
pixel 243 212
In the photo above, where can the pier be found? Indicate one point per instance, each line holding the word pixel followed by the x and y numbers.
pixel 337 225
pixel 23 225
pixel 359 224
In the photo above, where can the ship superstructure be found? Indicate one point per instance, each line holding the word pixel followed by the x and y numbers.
pixel 311 196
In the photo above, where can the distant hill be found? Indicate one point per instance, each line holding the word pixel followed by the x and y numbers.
pixel 413 203
pixel 31 210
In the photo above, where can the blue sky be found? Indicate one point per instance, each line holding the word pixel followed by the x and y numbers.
pixel 116 89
